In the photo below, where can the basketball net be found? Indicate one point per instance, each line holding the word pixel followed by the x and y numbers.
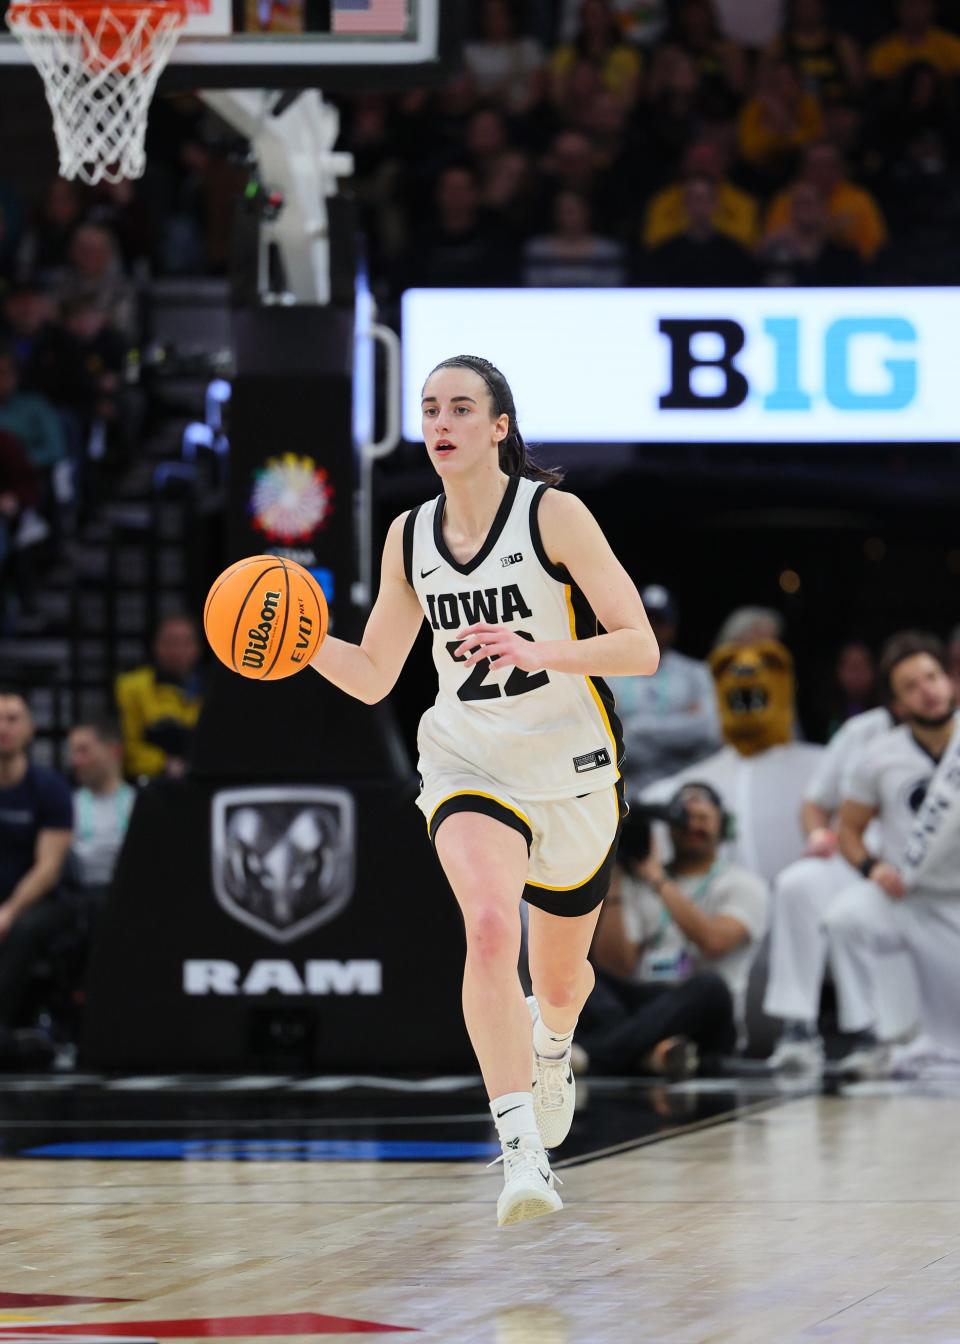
pixel 100 63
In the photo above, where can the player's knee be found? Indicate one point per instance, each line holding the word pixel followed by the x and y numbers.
pixel 793 886
pixel 851 916
pixel 559 989
pixel 493 931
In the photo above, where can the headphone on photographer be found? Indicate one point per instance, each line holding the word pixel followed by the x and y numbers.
pixel 677 812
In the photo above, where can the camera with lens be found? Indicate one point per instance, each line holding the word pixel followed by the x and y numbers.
pixel 637 832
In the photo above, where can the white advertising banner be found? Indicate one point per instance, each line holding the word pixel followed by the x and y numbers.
pixel 702 366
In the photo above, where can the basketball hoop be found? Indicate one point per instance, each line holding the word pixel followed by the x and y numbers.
pixel 100 63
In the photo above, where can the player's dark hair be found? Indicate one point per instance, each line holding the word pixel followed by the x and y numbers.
pixel 514 458
pixel 903 645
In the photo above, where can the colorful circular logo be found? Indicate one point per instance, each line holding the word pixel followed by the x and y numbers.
pixel 292 498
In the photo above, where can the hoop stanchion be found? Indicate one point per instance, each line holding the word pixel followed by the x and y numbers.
pixel 100 64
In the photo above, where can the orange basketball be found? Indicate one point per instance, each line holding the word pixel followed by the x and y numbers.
pixel 265 617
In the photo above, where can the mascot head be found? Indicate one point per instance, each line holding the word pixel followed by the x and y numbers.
pixel 755 689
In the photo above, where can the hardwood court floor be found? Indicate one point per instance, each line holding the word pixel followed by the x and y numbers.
pixel 823 1218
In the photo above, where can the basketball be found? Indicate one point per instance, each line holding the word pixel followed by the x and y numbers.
pixel 265 617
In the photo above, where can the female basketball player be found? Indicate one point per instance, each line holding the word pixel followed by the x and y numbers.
pixel 520 754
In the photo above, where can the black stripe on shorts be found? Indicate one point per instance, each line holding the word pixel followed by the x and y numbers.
pixel 487 807
pixel 581 900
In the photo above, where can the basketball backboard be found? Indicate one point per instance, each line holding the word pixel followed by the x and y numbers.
pixel 327 44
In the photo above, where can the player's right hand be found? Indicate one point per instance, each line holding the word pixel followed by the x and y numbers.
pixel 887 877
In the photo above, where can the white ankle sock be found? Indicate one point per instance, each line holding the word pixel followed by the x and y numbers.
pixel 513 1115
pixel 550 1044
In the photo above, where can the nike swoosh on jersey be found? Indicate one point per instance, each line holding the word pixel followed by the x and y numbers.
pixel 425 573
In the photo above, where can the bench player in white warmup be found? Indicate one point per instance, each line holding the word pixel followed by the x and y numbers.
pixel 520 755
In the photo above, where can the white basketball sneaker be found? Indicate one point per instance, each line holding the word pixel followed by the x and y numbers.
pixel 554 1091
pixel 528 1183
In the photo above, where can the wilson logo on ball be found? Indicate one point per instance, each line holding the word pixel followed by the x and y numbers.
pixel 259 637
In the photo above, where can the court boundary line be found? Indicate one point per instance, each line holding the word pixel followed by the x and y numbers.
pixel 678 1131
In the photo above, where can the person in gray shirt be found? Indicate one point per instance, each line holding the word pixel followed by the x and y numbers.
pixel 101 804
pixel 670 720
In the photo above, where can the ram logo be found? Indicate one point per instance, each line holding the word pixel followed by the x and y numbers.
pixel 283 857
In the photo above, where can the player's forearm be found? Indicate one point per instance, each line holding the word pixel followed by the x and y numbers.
pixel 33 886
pixel 851 845
pixel 622 653
pixel 813 817
pixel 350 668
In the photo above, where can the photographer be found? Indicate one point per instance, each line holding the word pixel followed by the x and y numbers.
pixel 670 934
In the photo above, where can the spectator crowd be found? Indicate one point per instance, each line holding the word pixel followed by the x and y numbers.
pixel 59 846
pixel 679 142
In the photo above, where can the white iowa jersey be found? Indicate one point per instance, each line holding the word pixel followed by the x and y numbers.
pixel 538 734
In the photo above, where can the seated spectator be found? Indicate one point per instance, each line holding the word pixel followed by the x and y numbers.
pixel 777 122
pixel 487 139
pixel 662 924
pixel 506 67
pixel 95 275
pixel 802 252
pixel 120 208
pixel 80 367
pixel 19 495
pixel 598 44
pixel 855 218
pixel 670 720
pixel 102 804
pixel 736 212
pixel 719 63
pixel 509 192
pixel 44 250
pixel 573 255
pixel 26 319
pixel 568 165
pixel 701 256
pixel 674 100
pixel 619 157
pixel 36 825
pixel 854 688
pixel 462 245
pixel 803 895
pixel 159 704
pixel 916 39
pixel 827 62
pixel 760 765
pixel 31 418
pixel 919 101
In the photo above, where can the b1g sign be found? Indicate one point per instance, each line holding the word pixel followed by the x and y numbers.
pixel 721 365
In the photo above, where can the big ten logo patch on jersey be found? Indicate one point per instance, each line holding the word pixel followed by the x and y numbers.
pixel 493 606
pixel 514 559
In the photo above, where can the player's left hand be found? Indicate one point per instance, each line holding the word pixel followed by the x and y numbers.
pixel 504 648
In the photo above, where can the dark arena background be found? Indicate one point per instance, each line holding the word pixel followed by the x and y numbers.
pixel 713 246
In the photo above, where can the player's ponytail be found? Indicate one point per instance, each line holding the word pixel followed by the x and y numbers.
pixel 514 458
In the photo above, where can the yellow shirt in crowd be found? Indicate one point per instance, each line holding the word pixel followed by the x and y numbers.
pixel 141 701
pixel 736 215
pixel 760 143
pixel 853 212
pixel 939 48
pixel 620 74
